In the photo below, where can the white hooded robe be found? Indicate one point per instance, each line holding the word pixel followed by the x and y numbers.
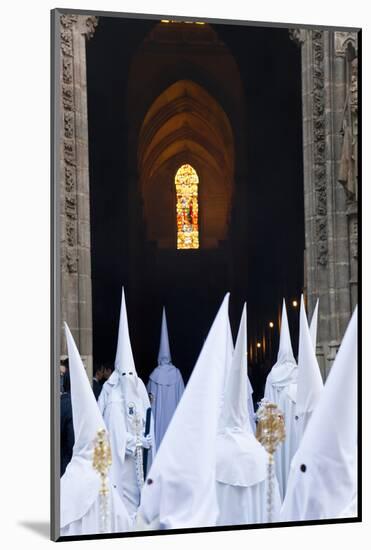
pixel 241 461
pixel 165 386
pixel 124 396
pixel 180 491
pixel 323 475
pixel 280 388
pixel 309 383
pixel 80 484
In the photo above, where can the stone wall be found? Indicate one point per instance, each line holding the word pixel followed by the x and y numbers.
pixel 75 260
pixel 330 109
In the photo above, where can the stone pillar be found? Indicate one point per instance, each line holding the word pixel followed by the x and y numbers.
pixel 330 210
pixel 76 301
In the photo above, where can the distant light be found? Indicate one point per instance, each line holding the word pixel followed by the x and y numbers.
pixel 165 21
pixel 258 345
pixel 200 23
pixel 295 303
pixel 271 324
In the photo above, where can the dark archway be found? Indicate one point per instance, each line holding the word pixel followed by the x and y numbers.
pixel 254 76
pixel 185 125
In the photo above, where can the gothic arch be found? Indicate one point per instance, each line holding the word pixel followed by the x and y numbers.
pixel 186 125
pixel 187 107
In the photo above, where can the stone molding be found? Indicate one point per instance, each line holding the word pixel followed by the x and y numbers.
pixel 342 41
pixel 85 25
pixel 298 36
pixel 319 146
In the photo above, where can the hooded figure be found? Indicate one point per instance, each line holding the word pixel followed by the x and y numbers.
pixel 309 383
pixel 124 402
pixel 241 461
pixel 250 402
pixel 180 490
pixel 165 386
pixel 323 476
pixel 79 490
pixel 280 388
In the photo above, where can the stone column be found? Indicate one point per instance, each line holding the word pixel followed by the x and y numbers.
pixel 76 301
pixel 330 222
pixel 346 50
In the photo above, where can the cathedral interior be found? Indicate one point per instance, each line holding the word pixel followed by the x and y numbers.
pixel 223 101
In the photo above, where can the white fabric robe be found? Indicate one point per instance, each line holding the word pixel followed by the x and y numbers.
pixel 166 387
pixel 123 438
pixel 119 521
pixel 283 393
pixel 323 473
pixel 246 505
pixel 241 461
pixel 180 491
pixel 80 483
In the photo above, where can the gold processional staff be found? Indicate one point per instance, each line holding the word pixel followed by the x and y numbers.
pixel 270 432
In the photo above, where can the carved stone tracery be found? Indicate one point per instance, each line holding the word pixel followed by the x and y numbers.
pixel 76 307
pixel 70 213
pixel 297 35
pixel 342 41
pixel 319 147
pixel 84 25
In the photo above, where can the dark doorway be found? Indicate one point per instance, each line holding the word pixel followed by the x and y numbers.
pixel 260 257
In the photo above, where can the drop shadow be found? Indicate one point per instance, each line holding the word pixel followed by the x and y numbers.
pixel 42 528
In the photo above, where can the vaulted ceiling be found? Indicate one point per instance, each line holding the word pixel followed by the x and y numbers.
pixel 178 111
pixel 186 125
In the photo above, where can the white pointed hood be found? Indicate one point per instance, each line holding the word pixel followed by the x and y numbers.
pixel 80 483
pixel 310 382
pixel 164 357
pixel 235 412
pixel 323 475
pixel 284 371
pixel 124 362
pixel 180 490
pixel 125 374
pixel 241 460
pixel 285 353
pixel 313 327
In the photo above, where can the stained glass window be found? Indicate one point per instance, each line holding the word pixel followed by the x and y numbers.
pixel 186 184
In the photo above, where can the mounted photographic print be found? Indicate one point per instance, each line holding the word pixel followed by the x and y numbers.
pixel 205 192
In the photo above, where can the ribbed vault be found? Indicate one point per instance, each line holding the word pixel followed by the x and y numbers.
pixel 185 124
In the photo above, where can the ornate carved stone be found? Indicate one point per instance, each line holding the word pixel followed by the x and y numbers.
pixel 353 237
pixel 66 42
pixel 90 24
pixel 67 98
pixel 75 261
pixel 69 125
pixel 70 178
pixel 298 36
pixel 343 40
pixel 319 146
pixel 69 153
pixel 67 20
pixel 70 234
pixel 70 206
pixel 348 172
pixel 67 70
